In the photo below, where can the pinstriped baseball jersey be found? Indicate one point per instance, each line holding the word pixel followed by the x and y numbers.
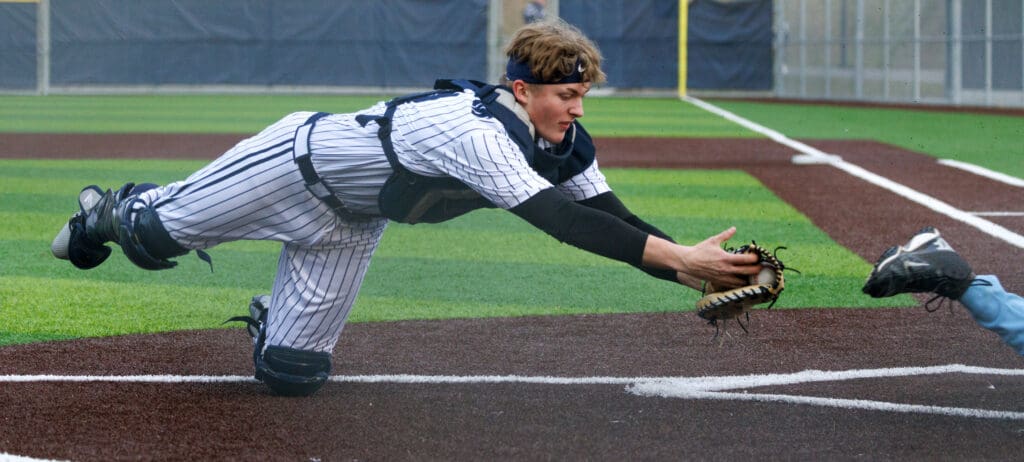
pixel 438 137
pixel 255 191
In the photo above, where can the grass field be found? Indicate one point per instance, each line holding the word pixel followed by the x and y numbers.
pixel 488 263
pixel 991 141
pixel 250 113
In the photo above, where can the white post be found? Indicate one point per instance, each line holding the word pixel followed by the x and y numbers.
pixel 781 41
pixel 956 66
pixel 859 54
pixel 494 17
pixel 43 47
pixel 885 50
pixel 828 48
pixel 803 48
pixel 917 51
pixel 988 52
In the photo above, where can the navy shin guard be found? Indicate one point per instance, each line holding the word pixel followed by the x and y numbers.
pixel 145 241
pixel 291 372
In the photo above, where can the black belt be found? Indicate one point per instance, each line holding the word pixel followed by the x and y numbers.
pixel 314 183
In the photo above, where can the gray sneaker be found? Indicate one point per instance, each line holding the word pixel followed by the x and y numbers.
pixel 926 264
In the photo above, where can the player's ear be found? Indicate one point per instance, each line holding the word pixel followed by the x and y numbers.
pixel 521 91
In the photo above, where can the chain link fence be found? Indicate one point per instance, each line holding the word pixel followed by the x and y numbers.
pixel 961 52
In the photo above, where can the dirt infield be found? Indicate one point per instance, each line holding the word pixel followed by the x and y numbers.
pixel 485 389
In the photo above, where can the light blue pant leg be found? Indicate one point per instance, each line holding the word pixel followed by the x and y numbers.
pixel 997 310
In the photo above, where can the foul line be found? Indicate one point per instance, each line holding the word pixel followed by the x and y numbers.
pixel 982 171
pixel 129 378
pixel 860 404
pixel 709 387
pixel 998 214
pixel 819 156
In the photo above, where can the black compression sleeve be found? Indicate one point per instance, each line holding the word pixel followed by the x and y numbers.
pixel 610 203
pixel 647 227
pixel 666 274
pixel 590 229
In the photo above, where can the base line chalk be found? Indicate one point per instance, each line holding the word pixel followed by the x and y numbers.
pixel 810 155
pixel 857 404
pixel 706 388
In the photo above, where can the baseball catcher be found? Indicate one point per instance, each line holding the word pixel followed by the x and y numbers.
pixel 326 185
pixel 764 287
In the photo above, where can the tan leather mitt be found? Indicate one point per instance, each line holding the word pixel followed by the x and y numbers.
pixel 764 287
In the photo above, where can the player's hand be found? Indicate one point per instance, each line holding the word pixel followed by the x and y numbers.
pixel 708 261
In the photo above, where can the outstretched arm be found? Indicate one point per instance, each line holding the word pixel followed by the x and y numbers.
pixel 610 203
pixel 604 234
pixel 706 261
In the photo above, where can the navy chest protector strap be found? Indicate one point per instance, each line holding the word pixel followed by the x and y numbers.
pixel 408 197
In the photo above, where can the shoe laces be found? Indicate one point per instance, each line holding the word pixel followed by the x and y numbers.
pixel 948 301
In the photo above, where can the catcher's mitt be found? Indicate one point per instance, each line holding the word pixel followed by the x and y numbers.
pixel 764 287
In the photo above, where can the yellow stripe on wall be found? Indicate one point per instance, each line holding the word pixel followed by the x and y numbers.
pixel 683 14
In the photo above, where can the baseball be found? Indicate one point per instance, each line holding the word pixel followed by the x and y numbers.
pixel 765 277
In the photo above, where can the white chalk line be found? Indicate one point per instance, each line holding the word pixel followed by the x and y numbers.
pixel 708 387
pixel 997 214
pixel 858 404
pixel 487 379
pixel 5 457
pixel 810 152
pixel 128 378
pixel 982 171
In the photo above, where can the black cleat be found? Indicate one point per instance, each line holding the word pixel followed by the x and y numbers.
pixel 87 201
pixel 926 264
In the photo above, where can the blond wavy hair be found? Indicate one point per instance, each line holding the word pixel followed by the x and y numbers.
pixel 552 47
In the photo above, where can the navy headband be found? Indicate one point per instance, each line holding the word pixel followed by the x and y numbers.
pixel 520 70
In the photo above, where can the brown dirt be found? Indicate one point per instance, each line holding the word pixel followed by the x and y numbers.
pixel 349 420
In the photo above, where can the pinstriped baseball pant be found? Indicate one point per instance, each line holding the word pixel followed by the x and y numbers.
pixel 255 192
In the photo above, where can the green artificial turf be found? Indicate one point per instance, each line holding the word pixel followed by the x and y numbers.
pixel 251 113
pixel 487 263
pixel 991 141
pixel 162 113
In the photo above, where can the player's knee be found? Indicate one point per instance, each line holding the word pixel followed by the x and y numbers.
pixel 291 372
pixel 145 241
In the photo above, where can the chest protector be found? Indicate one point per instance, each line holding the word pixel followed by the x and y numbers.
pixel 408 197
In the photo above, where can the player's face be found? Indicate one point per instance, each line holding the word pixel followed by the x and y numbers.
pixel 552 108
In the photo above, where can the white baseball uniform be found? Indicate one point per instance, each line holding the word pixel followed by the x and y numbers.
pixel 255 191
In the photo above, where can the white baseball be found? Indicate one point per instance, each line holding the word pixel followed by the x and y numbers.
pixel 766 276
